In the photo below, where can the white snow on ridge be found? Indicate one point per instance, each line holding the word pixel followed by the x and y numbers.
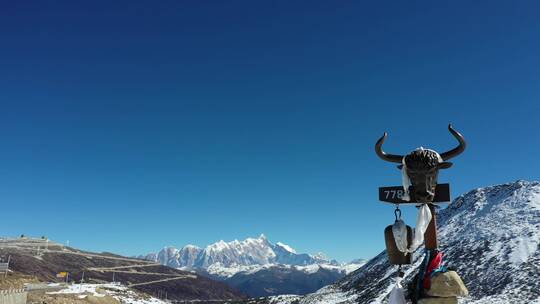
pixel 329 295
pixel 286 247
pixel 226 272
pixel 283 299
pixel 225 259
pixel 352 267
pixel 517 205
pixel 220 270
pixel 523 248
pixel 344 268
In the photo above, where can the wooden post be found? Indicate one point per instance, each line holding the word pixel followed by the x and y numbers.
pixel 431 233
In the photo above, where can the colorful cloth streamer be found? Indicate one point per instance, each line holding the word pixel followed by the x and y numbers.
pixel 435 263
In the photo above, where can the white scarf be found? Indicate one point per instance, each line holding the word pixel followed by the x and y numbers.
pixel 422 221
pixel 399 231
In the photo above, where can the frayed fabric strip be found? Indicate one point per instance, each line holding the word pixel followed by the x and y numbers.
pixel 399 230
pixel 406 181
pixel 422 222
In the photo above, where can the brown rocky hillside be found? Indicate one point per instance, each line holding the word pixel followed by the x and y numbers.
pixel 42 260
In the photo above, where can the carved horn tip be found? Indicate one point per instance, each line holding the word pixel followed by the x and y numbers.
pixel 382 138
pixel 459 149
pixel 383 155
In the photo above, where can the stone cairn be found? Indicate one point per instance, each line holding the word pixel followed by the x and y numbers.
pixel 445 288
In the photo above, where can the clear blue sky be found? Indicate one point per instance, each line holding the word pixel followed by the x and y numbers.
pixel 126 126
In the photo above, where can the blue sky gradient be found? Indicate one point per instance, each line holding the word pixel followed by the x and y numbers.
pixel 132 125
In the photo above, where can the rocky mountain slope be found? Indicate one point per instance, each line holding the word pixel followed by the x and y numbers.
pixel 256 266
pixel 491 235
pixel 43 260
pixel 275 280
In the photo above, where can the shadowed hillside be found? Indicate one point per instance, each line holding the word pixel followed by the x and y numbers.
pixel 30 257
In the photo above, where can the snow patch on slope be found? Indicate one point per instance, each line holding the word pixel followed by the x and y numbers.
pixel 330 295
pixel 121 293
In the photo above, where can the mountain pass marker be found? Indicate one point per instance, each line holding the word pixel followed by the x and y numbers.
pixel 419 173
pixel 394 194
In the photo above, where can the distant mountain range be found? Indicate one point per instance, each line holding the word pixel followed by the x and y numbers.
pixel 40 260
pixel 491 235
pixel 256 266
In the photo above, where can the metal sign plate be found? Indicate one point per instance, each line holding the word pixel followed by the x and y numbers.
pixel 394 194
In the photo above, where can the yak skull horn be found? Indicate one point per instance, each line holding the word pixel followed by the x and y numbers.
pixel 457 150
pixel 388 157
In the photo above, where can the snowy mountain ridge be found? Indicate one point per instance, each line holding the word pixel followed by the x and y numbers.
pixel 256 266
pixel 224 259
pixel 491 235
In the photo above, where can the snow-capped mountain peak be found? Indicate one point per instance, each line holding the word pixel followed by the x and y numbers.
pixel 218 246
pixel 228 258
pixel 320 256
